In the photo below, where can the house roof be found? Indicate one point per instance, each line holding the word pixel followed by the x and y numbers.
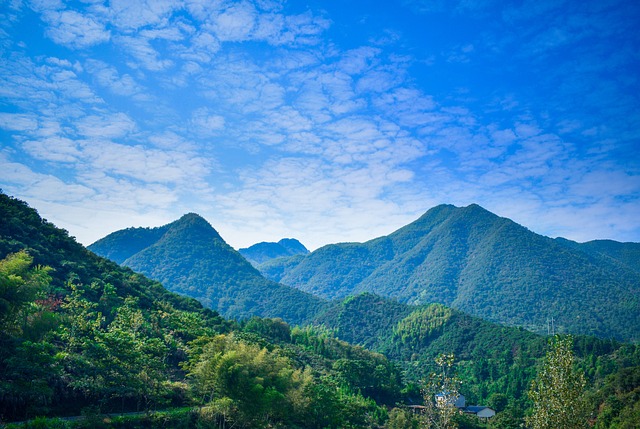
pixel 475 409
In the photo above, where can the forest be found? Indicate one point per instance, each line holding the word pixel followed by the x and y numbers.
pixel 88 343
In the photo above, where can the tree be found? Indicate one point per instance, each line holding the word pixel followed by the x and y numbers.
pixel 19 287
pixel 557 391
pixel 441 394
pixel 401 419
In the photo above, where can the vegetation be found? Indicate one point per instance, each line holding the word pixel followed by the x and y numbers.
pixel 496 364
pixel 557 392
pixel 82 336
pixel 263 252
pixel 484 265
pixel 188 256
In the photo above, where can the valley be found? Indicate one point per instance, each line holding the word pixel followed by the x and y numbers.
pixel 97 337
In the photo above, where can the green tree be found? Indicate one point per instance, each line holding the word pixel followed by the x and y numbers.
pixel 558 390
pixel 19 286
pixel 401 419
pixel 441 394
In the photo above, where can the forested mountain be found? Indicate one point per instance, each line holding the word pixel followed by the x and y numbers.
pixel 485 265
pixel 495 363
pixel 263 252
pixel 627 254
pixel 188 256
pixel 80 334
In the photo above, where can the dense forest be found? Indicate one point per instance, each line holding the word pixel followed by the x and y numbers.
pixel 82 335
pixel 472 260
pixel 188 256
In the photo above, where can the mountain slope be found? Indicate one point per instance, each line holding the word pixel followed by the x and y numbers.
pixel 188 256
pixel 88 334
pixel 627 254
pixel 263 252
pixel 123 244
pixel 477 262
pixel 492 360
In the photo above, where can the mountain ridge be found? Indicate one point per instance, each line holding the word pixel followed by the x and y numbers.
pixel 480 263
pixel 265 251
pixel 190 257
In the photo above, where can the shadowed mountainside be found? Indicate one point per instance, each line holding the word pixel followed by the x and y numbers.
pixel 188 256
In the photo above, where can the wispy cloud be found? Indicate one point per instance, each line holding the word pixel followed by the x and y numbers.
pixel 266 116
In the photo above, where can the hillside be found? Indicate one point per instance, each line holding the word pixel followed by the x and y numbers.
pixel 485 265
pixel 626 254
pixel 495 363
pixel 81 335
pixel 263 252
pixel 188 256
pixel 88 336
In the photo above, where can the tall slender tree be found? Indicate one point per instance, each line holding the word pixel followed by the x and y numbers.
pixel 558 390
pixel 441 395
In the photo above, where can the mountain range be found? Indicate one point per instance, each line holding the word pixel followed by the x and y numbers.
pixel 103 336
pixel 488 266
pixel 463 257
pixel 188 256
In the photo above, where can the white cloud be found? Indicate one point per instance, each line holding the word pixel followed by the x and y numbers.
pixel 18 122
pixel 105 126
pixel 132 15
pixel 147 57
pixel 75 30
pixel 206 123
pixel 145 164
pixel 57 149
pixel 19 179
pixel 235 23
pixel 107 76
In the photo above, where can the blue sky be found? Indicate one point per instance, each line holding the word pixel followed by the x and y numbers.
pixel 327 121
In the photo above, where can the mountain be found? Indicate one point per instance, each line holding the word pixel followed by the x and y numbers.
pixel 488 266
pixel 87 335
pixel 81 334
pixel 495 363
pixel 627 254
pixel 188 256
pixel 263 252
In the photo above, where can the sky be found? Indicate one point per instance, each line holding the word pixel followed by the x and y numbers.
pixel 327 121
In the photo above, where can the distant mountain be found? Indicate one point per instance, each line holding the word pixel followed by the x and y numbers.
pixel 627 254
pixel 263 252
pixel 488 266
pixel 121 245
pixel 188 256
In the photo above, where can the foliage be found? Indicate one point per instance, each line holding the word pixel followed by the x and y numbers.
pixel 557 392
pixel 400 418
pixel 20 285
pixel 487 266
pixel 189 257
pixel 441 393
